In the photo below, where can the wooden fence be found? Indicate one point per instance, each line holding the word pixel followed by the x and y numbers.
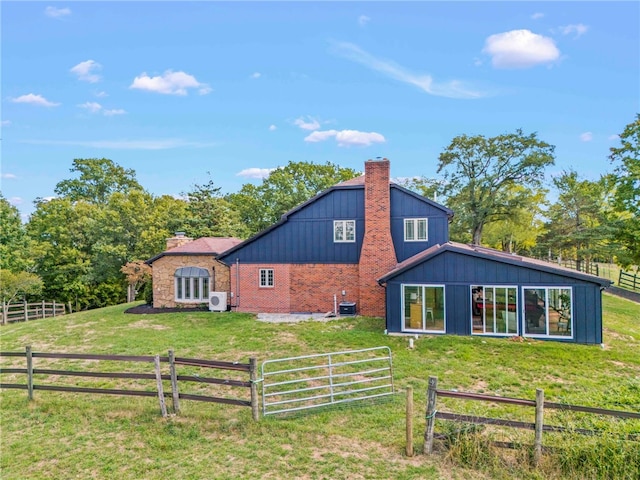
pixel 15 312
pixel 627 280
pixel 540 405
pixel 174 378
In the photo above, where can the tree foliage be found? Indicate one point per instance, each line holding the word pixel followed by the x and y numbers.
pixel 479 173
pixel 14 241
pixel 99 178
pixel 580 221
pixel 16 285
pixel 626 157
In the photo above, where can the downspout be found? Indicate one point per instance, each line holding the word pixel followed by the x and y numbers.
pixel 237 284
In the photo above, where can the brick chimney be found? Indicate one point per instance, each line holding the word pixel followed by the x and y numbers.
pixel 178 240
pixel 378 255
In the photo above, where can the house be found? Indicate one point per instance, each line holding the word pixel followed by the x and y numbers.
pixel 471 290
pixel 334 247
pixel 188 270
pixel 370 244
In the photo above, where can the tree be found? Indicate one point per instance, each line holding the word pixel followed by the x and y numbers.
pixel 13 285
pixel 627 158
pixel 14 241
pixel 285 188
pixel 210 215
pixel 579 225
pixel 99 178
pixel 137 273
pixel 479 173
pixel 518 232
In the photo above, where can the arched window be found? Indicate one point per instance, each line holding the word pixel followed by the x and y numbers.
pixel 191 284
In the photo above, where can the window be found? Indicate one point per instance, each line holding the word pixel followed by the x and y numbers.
pixel 494 310
pixel 423 308
pixel 266 277
pixel 547 311
pixel 344 230
pixel 415 230
pixel 191 284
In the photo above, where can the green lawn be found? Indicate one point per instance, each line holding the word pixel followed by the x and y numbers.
pixel 66 435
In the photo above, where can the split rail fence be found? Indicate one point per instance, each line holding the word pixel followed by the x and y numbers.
pixel 540 405
pixel 15 312
pixel 629 281
pixel 249 369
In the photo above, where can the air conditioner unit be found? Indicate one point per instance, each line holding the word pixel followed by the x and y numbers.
pixel 218 301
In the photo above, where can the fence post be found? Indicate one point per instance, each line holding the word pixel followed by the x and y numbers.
pixel 409 421
pixel 54 308
pixel 174 382
pixel 44 315
pixel 4 313
pixel 431 415
pixel 29 372
pixel 163 407
pixel 539 424
pixel 26 311
pixel 253 376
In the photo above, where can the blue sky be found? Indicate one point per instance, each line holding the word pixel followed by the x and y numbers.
pixel 178 89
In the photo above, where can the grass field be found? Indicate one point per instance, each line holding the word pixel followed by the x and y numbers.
pixel 66 435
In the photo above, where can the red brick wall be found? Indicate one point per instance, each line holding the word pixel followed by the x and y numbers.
pixel 378 255
pixel 255 299
pixel 314 285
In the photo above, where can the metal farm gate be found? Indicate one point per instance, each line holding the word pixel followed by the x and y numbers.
pixel 310 381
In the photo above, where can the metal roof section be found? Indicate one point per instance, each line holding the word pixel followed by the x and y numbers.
pixel 494 255
pixel 191 272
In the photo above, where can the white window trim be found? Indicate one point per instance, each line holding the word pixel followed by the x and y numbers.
pixel 415 229
pixel 546 314
pixel 201 290
pixel 444 303
pixel 344 231
pixel 496 334
pixel 273 278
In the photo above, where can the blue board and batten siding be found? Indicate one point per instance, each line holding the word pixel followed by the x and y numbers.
pixel 306 233
pixel 458 271
pixel 406 204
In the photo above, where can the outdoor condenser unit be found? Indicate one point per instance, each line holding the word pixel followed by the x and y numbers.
pixel 218 301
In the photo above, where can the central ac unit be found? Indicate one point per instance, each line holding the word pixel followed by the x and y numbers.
pixel 218 302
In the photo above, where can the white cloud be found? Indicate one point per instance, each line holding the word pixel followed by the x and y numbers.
pixel 93 107
pixel 520 49
pixel 451 89
pixel 255 172
pixel 114 111
pixel 537 16
pixel 309 124
pixel 256 75
pixel 34 100
pixel 170 83
pixel 153 144
pixel 15 200
pixel 86 71
pixel 54 12
pixel 363 20
pixel 586 136
pixel 6 123
pixel 102 94
pixel 8 175
pixel 346 138
pixel 272 128
pixel 615 136
pixel 578 29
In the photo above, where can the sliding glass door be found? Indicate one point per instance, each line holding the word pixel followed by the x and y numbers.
pixel 494 310
pixel 423 308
